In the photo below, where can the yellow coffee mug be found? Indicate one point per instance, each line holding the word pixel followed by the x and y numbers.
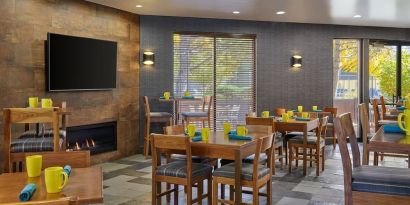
pixel 227 127
pixel 285 117
pixel 205 133
pixel 191 130
pixel 265 114
pixel 290 113
pixel 56 178
pixel 167 95
pixel 314 108
pixel 305 115
pixel 33 102
pixel 241 130
pixel 46 103
pixel 300 108
pixel 34 164
pixel 186 93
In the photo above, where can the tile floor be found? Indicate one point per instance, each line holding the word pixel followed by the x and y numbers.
pixel 128 181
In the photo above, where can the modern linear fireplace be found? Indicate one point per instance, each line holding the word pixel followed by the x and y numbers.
pixel 97 138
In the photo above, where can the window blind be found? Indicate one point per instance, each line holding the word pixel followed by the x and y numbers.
pixel 221 66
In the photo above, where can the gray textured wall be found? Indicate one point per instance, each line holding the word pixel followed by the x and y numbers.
pixel 277 85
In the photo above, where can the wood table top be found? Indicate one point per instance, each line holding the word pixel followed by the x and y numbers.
pixel 84 183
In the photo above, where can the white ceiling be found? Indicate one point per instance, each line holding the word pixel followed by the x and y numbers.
pixel 386 13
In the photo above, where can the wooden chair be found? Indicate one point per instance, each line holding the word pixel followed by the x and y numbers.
pixel 313 143
pixel 367 185
pixel 384 111
pixel 153 117
pixel 204 115
pixel 14 150
pixel 76 159
pixel 60 201
pixel 330 126
pixel 277 141
pixel 254 175
pixel 184 173
pixel 378 122
pixel 279 112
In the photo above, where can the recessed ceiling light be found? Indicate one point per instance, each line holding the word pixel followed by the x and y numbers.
pixel 138 6
pixel 281 12
pixel 357 16
pixel 236 12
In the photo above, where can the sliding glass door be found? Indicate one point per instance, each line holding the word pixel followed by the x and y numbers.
pixel 346 75
pixel 405 70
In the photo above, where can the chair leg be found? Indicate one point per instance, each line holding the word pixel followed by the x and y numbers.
pixel 317 161
pixel 323 159
pixel 222 191
pixel 297 156
pixel 176 192
pixel 281 159
pixel 215 192
pixel 146 144
pixel 334 138
pixel 311 155
pixel 168 197
pixel 154 193
pixel 189 195
pixel 203 123
pixel 210 183
pixel 209 122
pixel 231 193
pixel 269 191
pixel 273 162
pixel 290 158
pixel 255 193
pixel 200 192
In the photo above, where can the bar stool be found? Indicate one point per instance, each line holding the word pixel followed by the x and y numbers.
pixel 204 115
pixel 155 117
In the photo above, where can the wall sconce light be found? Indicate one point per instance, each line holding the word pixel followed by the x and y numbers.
pixel 148 58
pixel 296 61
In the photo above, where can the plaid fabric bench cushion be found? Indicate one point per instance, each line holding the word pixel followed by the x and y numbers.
pixel 39 144
pixel 179 169
pixel 47 133
pixel 228 171
pixel 386 180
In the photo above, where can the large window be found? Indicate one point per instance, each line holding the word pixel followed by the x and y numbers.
pixel 219 65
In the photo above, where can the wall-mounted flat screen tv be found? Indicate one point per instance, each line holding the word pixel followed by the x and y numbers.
pixel 77 63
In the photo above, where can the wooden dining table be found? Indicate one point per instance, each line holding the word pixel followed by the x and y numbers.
pixel 396 143
pixel 293 125
pixel 84 184
pixel 177 102
pixel 220 146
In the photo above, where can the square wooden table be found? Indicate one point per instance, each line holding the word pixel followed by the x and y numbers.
pixel 84 183
pixel 297 126
pixel 220 146
pixel 396 143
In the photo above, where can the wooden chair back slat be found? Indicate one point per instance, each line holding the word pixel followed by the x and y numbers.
pixel 346 131
pixel 146 106
pixel 259 129
pixel 207 104
pixel 174 130
pixel 383 103
pixel 172 142
pixel 376 114
pixel 332 110
pixel 323 127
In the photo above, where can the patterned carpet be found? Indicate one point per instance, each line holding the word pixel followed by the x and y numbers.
pixel 128 181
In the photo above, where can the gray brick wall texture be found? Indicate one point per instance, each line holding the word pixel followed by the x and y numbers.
pixel 277 84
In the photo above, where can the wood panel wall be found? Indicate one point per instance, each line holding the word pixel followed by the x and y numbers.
pixel 23 30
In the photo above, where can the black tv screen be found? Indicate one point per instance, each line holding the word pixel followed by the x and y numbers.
pixel 76 63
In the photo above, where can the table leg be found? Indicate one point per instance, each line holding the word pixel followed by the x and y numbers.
pixel 238 170
pixel 285 145
pixel 375 158
pixel 176 110
pixel 304 150
pixel 366 157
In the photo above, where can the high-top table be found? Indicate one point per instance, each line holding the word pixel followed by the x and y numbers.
pixel 396 143
pixel 220 146
pixel 85 184
pixel 176 104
